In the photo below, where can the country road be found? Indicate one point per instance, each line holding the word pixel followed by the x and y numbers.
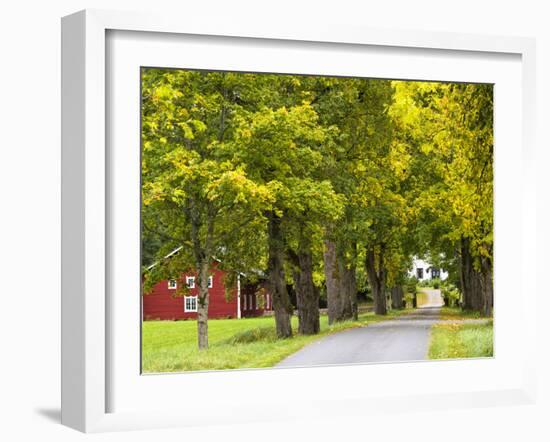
pixel 401 339
pixel 433 298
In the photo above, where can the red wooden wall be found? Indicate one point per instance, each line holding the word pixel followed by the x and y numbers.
pixel 161 303
pixel 255 299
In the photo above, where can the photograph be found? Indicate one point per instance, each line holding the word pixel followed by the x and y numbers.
pixel 234 221
pixel 292 220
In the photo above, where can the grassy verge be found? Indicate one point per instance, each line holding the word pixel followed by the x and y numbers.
pixel 456 313
pixel 171 346
pixel 457 339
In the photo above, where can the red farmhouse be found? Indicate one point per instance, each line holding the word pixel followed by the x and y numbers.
pixel 245 300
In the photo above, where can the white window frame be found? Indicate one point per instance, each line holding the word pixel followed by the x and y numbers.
pixel 190 310
pixel 190 282
pixel 172 284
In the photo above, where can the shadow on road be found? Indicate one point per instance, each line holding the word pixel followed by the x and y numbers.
pixel 422 313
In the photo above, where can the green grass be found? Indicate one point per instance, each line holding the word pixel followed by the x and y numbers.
pixel 171 346
pixel 450 313
pixel 458 339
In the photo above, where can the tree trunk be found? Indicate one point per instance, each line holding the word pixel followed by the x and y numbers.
pixel 277 284
pixel 377 280
pixel 307 295
pixel 332 280
pixel 487 286
pixel 350 283
pixel 345 281
pixel 353 293
pixel 202 304
pixel 397 296
pixel 202 259
pixel 470 279
pixel 341 283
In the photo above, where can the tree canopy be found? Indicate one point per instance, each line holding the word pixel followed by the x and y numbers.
pixel 315 181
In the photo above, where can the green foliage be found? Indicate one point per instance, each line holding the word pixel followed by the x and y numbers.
pixel 411 285
pixel 434 283
pixel 391 168
pixel 450 294
pixel 448 129
pixel 220 150
pixel 193 195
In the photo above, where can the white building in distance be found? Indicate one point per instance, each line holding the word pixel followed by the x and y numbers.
pixel 423 271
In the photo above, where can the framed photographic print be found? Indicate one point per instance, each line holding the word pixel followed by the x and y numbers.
pixel 259 212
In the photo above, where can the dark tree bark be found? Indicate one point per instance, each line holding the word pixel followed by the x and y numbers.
pixel 277 284
pixel 477 285
pixel 486 286
pixel 470 279
pixel 345 287
pixel 377 280
pixel 307 295
pixel 332 280
pixel 341 283
pixel 397 296
pixel 350 284
pixel 353 293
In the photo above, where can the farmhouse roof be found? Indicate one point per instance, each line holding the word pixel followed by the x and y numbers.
pixel 177 249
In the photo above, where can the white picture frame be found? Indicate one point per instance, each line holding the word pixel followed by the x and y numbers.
pixel 87 208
